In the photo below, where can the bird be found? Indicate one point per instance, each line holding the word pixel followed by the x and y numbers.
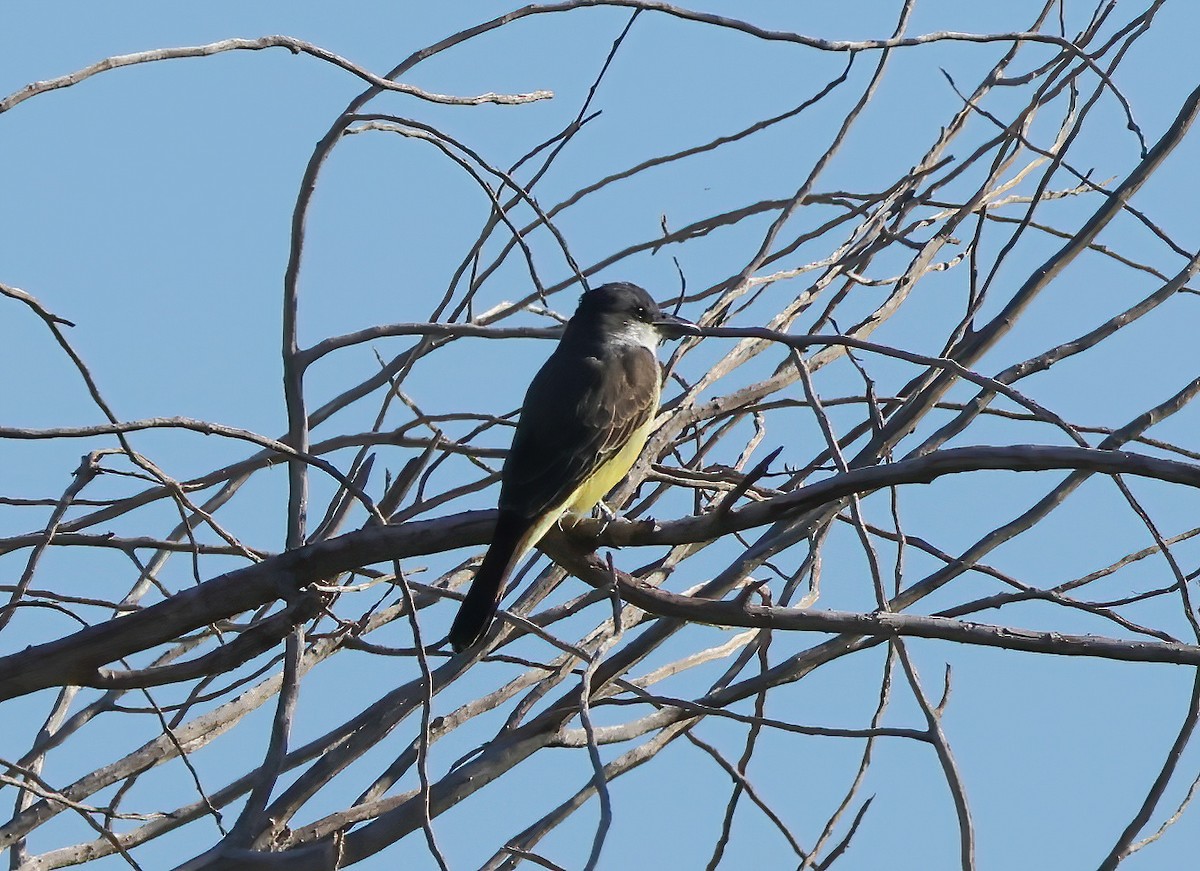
pixel 585 419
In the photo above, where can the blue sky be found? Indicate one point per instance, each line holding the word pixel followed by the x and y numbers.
pixel 151 206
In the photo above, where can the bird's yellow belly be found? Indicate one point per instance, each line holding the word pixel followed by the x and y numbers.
pixel 610 474
pixel 593 488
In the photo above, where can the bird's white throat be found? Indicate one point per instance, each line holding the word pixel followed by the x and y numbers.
pixel 637 333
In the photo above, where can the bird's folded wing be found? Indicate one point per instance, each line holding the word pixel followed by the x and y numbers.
pixel 578 413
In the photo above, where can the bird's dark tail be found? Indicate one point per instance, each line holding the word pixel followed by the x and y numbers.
pixel 483 598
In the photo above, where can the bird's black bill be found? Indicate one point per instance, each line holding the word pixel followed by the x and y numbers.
pixel 674 327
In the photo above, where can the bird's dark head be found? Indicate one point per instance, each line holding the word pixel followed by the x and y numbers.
pixel 626 313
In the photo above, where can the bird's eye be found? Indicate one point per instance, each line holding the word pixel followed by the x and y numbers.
pixel 641 312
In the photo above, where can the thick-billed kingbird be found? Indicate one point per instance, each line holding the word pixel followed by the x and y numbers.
pixel 585 419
